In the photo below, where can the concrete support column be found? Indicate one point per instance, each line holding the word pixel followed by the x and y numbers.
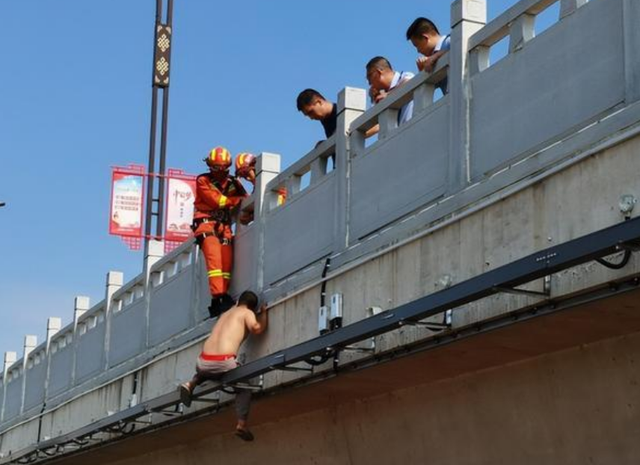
pixel 352 102
pixel 80 305
pixel 630 15
pixel 9 359
pixel 569 6
pixel 267 168
pixel 467 18
pixel 30 343
pixel 115 280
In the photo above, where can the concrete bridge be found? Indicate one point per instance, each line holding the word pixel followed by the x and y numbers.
pixel 480 259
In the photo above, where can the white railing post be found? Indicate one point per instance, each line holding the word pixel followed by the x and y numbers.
pixel 352 102
pixel 9 359
pixel 80 305
pixel 467 18
pixel 30 343
pixel 54 325
pixel 267 168
pixel 115 280
pixel 631 34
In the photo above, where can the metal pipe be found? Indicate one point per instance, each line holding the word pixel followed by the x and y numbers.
pixel 152 134
pixel 163 160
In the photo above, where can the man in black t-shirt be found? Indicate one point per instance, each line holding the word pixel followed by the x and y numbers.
pixel 314 106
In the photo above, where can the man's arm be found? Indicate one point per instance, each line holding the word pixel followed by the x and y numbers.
pixel 429 63
pixel 257 323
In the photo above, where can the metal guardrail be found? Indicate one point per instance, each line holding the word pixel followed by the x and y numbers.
pixel 624 236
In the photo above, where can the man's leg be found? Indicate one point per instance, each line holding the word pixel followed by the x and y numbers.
pixel 186 389
pixel 243 404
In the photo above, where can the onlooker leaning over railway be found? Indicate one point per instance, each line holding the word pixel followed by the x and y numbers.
pixel 382 80
pixel 426 38
pixel 217 196
pixel 313 105
pixel 220 350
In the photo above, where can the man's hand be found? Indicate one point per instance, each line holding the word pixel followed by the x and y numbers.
pixel 428 64
pixel 377 95
pixel 245 217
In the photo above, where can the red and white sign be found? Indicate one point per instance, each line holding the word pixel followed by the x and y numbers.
pixel 181 192
pixel 127 195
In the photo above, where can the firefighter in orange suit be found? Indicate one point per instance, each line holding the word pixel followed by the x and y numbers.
pixel 217 196
pixel 246 169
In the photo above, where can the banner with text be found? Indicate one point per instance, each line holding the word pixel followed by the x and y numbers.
pixel 127 200
pixel 181 192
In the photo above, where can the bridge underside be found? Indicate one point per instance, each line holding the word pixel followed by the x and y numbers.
pixel 560 386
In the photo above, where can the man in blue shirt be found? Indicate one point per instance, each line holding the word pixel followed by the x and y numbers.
pixel 383 79
pixel 428 41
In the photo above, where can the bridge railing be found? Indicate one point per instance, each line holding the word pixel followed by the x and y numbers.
pixel 546 88
pixel 550 85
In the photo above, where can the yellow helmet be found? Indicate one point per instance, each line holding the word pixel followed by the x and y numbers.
pixel 219 158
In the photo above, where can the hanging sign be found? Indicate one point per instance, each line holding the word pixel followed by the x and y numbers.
pixel 181 192
pixel 127 200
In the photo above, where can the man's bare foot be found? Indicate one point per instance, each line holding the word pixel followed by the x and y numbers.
pixel 244 434
pixel 185 390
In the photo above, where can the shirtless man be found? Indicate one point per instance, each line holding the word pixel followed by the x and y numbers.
pixel 219 353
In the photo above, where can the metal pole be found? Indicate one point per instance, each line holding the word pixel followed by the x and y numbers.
pixel 152 136
pixel 163 140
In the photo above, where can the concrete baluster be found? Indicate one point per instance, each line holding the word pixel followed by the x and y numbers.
pixel 630 15
pixel 9 359
pixel 352 102
pixel 267 168
pixel 467 18
pixel 80 306
pixel 569 6
pixel 115 279
pixel 521 31
pixel 30 343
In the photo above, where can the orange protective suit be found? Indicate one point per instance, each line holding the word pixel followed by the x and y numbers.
pixel 216 197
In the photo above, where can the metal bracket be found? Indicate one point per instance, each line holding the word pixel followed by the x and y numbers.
pixel 365 350
pixel 176 412
pixel 428 325
pixel 290 368
pixel 206 400
pixel 516 291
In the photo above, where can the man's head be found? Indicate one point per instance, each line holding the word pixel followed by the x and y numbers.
pixel 424 36
pixel 219 160
pixel 248 299
pixel 313 105
pixel 379 73
pixel 246 166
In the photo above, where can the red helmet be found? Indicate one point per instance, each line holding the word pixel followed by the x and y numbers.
pixel 219 158
pixel 244 162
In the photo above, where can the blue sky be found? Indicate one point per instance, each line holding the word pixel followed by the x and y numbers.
pixel 75 100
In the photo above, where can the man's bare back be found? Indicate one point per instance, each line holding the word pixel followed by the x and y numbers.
pixel 231 329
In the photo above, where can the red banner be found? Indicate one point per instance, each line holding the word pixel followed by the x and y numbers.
pixel 181 193
pixel 127 200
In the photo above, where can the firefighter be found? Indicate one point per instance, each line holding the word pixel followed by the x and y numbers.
pixel 217 196
pixel 246 169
